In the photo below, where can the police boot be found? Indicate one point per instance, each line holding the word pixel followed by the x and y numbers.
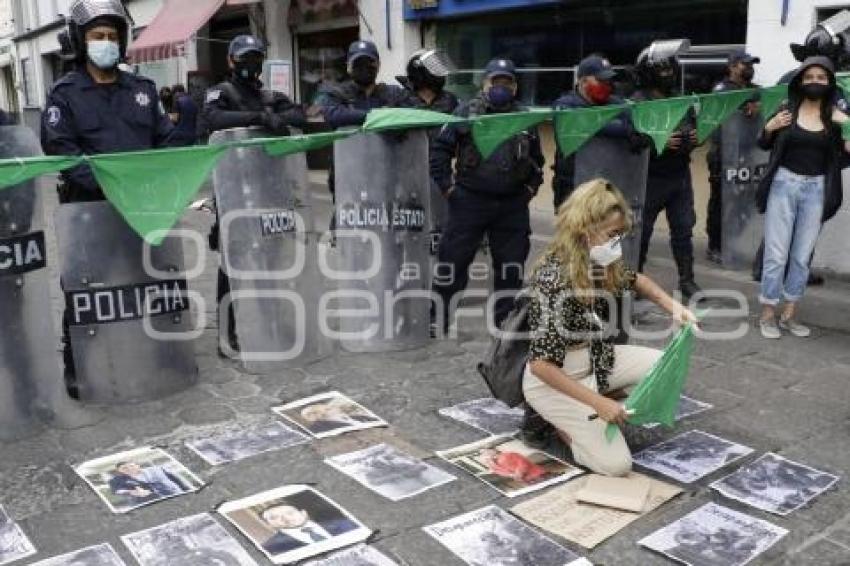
pixel 535 430
pixel 687 285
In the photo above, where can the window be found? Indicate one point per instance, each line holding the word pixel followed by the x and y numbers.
pixel 28 79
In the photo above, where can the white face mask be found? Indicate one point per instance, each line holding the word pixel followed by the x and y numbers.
pixel 607 253
pixel 103 54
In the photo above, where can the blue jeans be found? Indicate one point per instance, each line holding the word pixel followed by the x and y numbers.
pixel 792 223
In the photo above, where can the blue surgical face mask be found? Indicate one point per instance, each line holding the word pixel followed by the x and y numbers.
pixel 500 96
pixel 103 54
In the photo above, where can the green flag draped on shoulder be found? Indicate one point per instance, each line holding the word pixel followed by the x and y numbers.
pixel 381 119
pixel 658 118
pixel 771 99
pixel 489 131
pixel 573 127
pixel 716 107
pixel 656 397
pixel 16 171
pixel 151 189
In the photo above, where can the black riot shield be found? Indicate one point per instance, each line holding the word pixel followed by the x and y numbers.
pixel 743 164
pixel 29 366
pixel 268 246
pixel 127 307
pixel 383 241
pixel 614 160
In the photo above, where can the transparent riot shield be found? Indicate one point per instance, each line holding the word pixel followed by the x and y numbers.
pixel 613 159
pixel 29 366
pixel 743 164
pixel 268 246
pixel 383 241
pixel 127 309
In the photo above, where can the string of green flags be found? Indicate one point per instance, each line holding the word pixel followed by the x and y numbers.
pixel 152 188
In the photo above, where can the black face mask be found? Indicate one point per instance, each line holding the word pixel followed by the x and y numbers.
pixel 364 76
pixel 747 74
pixel 815 91
pixel 249 70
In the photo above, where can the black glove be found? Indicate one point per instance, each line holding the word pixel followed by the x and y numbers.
pixel 274 124
pixel 638 142
pixel 394 136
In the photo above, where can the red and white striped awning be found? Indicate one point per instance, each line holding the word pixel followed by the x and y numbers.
pixel 176 23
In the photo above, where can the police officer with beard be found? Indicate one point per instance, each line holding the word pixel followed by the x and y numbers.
pixel 739 75
pixel 97 108
pixel 241 102
pixel 486 196
pixel 669 185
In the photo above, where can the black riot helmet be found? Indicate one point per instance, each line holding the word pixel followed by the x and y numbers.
pixel 428 68
pixel 657 66
pixel 247 54
pixel 830 38
pixel 86 14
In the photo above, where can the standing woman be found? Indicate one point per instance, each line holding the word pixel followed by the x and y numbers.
pixel 800 190
pixel 575 370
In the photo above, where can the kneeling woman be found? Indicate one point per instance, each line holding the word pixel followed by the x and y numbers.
pixel 574 370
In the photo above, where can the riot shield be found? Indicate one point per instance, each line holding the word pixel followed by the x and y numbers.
pixel 128 313
pixel 383 241
pixel 614 160
pixel 268 248
pixel 29 367
pixel 743 164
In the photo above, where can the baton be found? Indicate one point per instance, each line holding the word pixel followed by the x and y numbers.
pixel 595 416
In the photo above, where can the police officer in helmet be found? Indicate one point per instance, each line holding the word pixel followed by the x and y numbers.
pixel 97 108
pixel 669 185
pixel 425 81
pixel 486 196
pixel 241 102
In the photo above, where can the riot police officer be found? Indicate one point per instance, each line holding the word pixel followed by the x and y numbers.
pixel 348 103
pixel 594 87
pixel 486 196
pixel 669 185
pixel 241 102
pixel 98 108
pixel 739 75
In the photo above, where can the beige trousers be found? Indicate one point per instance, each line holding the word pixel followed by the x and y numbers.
pixel 589 446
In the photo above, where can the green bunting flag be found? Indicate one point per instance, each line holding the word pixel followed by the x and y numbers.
pixel 296 144
pixel 381 119
pixel 492 130
pixel 771 99
pixel 16 171
pixel 574 127
pixel 715 108
pixel 658 118
pixel 151 189
pixel 844 84
pixel 656 397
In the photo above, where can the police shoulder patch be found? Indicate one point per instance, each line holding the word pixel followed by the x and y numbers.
pixel 142 99
pixel 213 95
pixel 54 116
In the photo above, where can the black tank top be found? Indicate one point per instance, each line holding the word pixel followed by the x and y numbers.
pixel 806 151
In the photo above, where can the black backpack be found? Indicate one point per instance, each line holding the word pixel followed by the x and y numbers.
pixel 504 363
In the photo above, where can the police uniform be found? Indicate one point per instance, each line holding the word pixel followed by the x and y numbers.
pixel 82 117
pixel 488 197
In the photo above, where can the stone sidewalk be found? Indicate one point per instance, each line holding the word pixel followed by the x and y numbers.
pixel 788 396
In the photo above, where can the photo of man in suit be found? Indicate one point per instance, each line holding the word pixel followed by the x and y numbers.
pixel 294 528
pixel 143 485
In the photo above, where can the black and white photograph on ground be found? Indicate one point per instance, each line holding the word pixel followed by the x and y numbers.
pixel 135 478
pixel 488 414
pixel 329 414
pixel 198 540
pixel 509 466
pixel 14 544
pixel 714 535
pixel 492 537
pixel 390 472
pixel 775 484
pixel 294 522
pixel 690 455
pixel 360 555
pixel 99 555
pixel 687 408
pixel 238 444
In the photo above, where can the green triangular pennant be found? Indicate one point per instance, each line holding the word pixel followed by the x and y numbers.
pixel 716 107
pixel 772 98
pixel 658 118
pixel 844 84
pixel 492 130
pixel 296 144
pixel 381 119
pixel 16 171
pixel 575 126
pixel 151 189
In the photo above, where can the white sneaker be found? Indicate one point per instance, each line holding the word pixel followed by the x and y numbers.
pixel 795 328
pixel 769 329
